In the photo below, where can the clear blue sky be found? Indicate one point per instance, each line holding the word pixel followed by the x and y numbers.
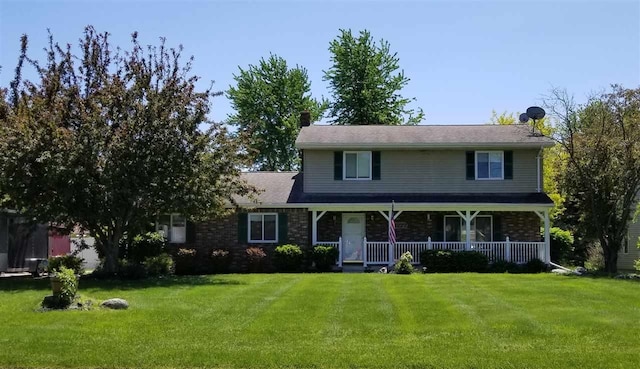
pixel 464 59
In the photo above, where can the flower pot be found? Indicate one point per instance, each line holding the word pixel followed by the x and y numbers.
pixel 56 285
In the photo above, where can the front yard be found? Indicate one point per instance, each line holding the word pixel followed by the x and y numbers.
pixel 331 321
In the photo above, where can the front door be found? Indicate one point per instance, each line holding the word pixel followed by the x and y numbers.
pixel 352 237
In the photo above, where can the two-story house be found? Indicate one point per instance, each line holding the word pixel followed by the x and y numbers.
pixel 461 187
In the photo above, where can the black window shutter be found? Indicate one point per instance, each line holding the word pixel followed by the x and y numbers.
pixel 508 165
pixel 243 227
pixel 471 165
pixel 283 228
pixel 498 235
pixel 438 228
pixel 337 165
pixel 375 165
pixel 191 232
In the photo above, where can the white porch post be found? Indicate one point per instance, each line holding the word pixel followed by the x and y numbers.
pixel 388 232
pixel 314 227
pixel 467 224
pixel 547 243
pixel 315 217
pixel 364 252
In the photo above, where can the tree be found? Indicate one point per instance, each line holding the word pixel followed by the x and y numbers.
pixel 602 142
pixel 109 140
pixel 365 83
pixel 268 99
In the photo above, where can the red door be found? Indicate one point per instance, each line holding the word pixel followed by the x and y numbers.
pixel 59 245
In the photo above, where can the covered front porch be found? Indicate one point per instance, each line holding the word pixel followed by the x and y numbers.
pixel 361 233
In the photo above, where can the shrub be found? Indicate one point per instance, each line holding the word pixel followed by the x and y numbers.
pixel 68 261
pixel 561 243
pixel 129 269
pixel 288 258
pixel 143 246
pixel 255 258
pixel 158 265
pixel 636 264
pixel 535 266
pixel 186 262
pixel 69 286
pixel 325 257
pixel 503 266
pixel 595 258
pixel 403 266
pixel 448 261
pixel 220 259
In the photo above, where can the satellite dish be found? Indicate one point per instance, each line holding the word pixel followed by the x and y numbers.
pixel 535 113
pixel 524 118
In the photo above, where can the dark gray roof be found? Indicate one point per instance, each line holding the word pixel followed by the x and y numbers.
pixel 421 136
pixel 276 187
pixel 285 189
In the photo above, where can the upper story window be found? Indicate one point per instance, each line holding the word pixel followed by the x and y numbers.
pixel 489 165
pixel 357 165
pixel 173 227
pixel 263 227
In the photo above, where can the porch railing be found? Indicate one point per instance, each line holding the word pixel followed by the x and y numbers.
pixel 377 252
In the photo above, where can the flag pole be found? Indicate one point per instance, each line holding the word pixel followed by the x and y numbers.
pixel 391 233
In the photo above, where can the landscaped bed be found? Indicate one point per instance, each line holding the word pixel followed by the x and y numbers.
pixel 330 321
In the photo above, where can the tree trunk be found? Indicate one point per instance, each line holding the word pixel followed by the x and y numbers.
pixel 610 259
pixel 110 265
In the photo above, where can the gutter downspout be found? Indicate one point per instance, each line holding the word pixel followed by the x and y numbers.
pixel 539 175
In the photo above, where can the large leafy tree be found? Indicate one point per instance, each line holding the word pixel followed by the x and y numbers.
pixel 601 140
pixel 109 139
pixel 365 82
pixel 268 99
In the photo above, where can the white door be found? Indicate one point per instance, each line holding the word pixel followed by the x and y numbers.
pixel 352 237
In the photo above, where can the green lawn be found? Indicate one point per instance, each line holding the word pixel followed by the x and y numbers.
pixel 331 321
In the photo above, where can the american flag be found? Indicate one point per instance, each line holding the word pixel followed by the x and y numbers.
pixel 392 228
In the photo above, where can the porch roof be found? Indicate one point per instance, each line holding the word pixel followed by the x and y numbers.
pixel 284 189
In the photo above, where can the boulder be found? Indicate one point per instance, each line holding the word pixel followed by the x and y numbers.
pixel 580 271
pixel 118 304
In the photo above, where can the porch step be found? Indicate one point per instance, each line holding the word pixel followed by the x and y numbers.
pixel 353 268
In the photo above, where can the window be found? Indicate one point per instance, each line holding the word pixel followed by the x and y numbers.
pixel 173 227
pixel 489 165
pixel 263 227
pixel 481 229
pixel 357 165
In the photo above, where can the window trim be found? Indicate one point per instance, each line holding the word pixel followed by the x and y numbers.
pixel 344 165
pixel 463 227
pixel 489 152
pixel 169 237
pixel 249 240
pixel 444 231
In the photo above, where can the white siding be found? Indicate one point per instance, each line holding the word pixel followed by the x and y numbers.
pixel 625 261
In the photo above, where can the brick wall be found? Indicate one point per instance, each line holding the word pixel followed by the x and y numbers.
pixel 418 225
pixel 222 233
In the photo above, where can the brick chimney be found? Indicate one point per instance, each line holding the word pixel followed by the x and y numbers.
pixel 305 119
